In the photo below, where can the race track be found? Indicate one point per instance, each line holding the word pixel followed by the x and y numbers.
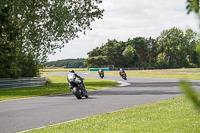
pixel 26 114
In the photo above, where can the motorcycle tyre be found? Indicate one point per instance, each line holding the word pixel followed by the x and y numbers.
pixel 101 76
pixel 77 93
pixel 86 95
pixel 124 78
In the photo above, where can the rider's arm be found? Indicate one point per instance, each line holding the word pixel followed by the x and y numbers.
pixel 78 76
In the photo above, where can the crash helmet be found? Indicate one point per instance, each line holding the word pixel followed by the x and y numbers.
pixel 121 69
pixel 71 71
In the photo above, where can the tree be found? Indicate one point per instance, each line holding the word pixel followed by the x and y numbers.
pixel 96 61
pixel 39 27
pixel 192 5
pixel 173 48
pixel 141 47
pixel 94 52
pixel 191 47
pixel 67 63
pixel 177 46
pixel 162 60
pixel 110 50
pixel 130 56
pixel 152 52
pixel 110 53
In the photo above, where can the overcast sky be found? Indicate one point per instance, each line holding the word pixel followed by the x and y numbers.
pixel 125 19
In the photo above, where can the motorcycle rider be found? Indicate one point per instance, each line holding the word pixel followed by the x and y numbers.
pixel 101 71
pixel 121 71
pixel 71 77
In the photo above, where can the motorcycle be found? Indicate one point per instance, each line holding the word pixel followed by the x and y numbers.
pixel 78 89
pixel 101 75
pixel 123 75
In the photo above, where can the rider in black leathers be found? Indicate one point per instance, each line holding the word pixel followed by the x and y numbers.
pixel 121 71
pixel 100 70
pixel 72 77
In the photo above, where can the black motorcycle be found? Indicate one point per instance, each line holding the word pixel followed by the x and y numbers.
pixel 123 75
pixel 101 75
pixel 78 89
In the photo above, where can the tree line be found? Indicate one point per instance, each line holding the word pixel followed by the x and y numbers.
pixel 173 48
pixel 32 29
pixel 67 63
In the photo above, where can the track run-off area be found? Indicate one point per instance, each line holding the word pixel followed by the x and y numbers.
pixel 29 113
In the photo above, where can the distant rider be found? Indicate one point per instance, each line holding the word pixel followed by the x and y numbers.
pixel 101 71
pixel 71 77
pixel 121 71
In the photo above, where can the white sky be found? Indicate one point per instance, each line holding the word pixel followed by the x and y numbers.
pixel 125 19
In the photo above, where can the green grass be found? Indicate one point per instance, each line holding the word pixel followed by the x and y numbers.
pixel 189 73
pixel 174 115
pixel 58 86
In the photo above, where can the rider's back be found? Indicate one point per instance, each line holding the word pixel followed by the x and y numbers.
pixel 71 77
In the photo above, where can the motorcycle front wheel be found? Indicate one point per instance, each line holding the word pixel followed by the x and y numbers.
pixel 77 92
pixel 124 78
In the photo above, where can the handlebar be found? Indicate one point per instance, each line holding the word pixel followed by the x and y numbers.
pixel 81 78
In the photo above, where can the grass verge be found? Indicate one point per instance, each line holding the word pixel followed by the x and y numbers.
pixel 58 86
pixel 174 115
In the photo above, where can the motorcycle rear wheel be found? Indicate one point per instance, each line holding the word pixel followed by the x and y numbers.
pixel 86 95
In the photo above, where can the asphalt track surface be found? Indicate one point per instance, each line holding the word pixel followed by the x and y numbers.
pixel 25 114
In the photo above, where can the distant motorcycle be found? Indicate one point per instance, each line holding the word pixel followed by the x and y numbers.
pixel 78 89
pixel 123 75
pixel 101 75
